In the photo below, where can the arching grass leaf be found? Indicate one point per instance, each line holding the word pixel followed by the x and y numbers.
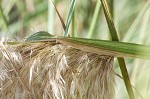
pixel 112 48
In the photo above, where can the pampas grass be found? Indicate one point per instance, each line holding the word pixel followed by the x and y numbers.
pixel 54 71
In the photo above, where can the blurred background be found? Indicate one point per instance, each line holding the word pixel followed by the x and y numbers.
pixel 21 18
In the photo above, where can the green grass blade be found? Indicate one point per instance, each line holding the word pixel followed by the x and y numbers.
pixel 3 18
pixel 69 16
pixel 94 19
pixel 114 48
pixel 133 27
pixel 42 35
pixel 111 2
pixel 109 21
pixel 73 24
pixel 114 36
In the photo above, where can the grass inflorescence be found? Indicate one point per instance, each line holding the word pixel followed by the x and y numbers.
pixel 54 71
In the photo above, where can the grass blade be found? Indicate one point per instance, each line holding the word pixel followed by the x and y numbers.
pixel 109 20
pixel 133 27
pixel 69 16
pixel 73 24
pixel 111 2
pixel 3 18
pixel 121 60
pixel 94 19
pixel 42 35
pixel 61 19
pixel 114 48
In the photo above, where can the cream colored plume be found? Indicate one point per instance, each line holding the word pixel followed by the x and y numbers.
pixel 54 71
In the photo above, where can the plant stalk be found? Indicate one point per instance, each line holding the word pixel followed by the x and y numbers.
pixel 3 18
pixel 73 24
pixel 94 19
pixel 115 37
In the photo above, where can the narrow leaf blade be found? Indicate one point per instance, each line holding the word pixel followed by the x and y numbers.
pixel 61 19
pixel 42 35
pixel 69 17
pixel 105 47
pixel 115 37
pixel 114 48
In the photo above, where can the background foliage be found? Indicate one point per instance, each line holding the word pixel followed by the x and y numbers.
pixel 20 18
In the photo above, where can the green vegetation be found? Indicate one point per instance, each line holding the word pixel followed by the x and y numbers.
pixel 90 19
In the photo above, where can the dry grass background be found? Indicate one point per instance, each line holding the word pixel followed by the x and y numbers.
pixel 54 71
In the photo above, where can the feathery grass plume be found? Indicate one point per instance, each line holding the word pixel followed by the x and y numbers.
pixel 54 71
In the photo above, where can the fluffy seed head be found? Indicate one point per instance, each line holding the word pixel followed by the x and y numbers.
pixel 54 71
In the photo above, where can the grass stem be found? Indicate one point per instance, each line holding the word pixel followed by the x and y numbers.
pixel 121 60
pixel 69 17
pixel 3 18
pixel 73 24
pixel 94 19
